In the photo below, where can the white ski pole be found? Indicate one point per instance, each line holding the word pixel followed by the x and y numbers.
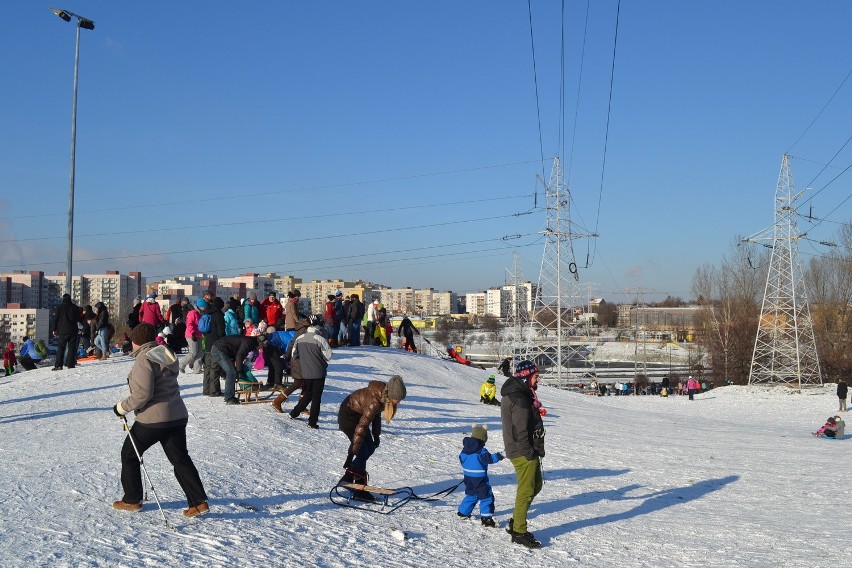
pixel 145 471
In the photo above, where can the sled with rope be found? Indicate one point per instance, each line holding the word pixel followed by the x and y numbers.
pixel 378 499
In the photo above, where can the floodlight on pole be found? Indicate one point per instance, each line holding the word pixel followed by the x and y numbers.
pixel 86 24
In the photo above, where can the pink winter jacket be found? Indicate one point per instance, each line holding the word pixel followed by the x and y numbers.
pixel 192 318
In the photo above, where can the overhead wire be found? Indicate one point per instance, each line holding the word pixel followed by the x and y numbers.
pixel 535 82
pixel 577 102
pixel 590 252
pixel 271 243
pixel 284 191
pixel 186 228
pixel 825 106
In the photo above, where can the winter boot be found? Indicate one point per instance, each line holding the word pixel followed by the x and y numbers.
pixel 526 539
pixel 279 400
pixel 488 522
pixel 122 506
pixel 462 517
pixel 199 509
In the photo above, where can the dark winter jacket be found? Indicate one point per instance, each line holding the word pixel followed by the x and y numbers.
pixel 521 421
pixel 356 312
pixel 407 328
pixel 175 314
pixel 217 323
pixel 842 389
pixel 133 316
pixel 102 319
pixel 504 367
pixel 234 304
pixel 154 391
pixel 236 347
pixel 475 459
pixel 313 353
pixel 338 311
pixel 360 410
pixel 67 317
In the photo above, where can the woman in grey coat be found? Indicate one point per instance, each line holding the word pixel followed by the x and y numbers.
pixel 161 416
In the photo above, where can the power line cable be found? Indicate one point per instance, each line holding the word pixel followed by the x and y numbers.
pixel 535 81
pixel 577 103
pixel 206 226
pixel 289 241
pixel 606 135
pixel 825 106
pixel 560 148
pixel 215 199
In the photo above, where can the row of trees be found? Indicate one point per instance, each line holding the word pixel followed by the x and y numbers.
pixel 732 294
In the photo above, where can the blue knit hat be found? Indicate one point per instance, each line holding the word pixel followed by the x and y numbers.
pixel 201 303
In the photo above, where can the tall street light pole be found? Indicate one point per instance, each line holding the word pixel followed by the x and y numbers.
pixel 87 24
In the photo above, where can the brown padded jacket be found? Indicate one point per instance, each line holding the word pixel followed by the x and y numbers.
pixel 369 403
pixel 154 390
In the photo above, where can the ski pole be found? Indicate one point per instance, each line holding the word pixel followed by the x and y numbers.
pixel 145 471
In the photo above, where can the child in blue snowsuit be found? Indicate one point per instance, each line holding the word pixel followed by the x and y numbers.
pixel 475 460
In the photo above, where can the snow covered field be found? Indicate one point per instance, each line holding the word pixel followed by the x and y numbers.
pixel 733 478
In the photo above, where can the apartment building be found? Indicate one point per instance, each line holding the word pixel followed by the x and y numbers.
pixel 17 322
pixel 117 291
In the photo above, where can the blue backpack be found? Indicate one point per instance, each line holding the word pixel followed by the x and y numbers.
pixel 204 323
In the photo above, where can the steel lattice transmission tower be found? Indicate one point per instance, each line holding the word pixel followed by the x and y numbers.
pixel 558 286
pixel 784 348
pixel 517 318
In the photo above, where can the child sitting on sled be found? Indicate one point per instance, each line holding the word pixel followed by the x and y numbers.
pixel 829 429
pixel 246 376
pixel 488 392
pixel 475 459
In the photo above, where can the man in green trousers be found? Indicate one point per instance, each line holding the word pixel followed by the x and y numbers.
pixel 523 438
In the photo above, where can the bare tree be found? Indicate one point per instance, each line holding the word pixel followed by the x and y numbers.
pixel 829 281
pixel 730 296
pixel 493 326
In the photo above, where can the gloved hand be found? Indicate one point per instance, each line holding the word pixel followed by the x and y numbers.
pixel 117 413
pixel 500 456
pixel 194 339
pixel 543 411
pixel 376 441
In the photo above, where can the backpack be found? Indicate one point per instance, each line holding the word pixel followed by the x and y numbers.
pixel 204 323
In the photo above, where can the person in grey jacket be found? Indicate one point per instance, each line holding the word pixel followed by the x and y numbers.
pixel 161 416
pixel 523 438
pixel 313 354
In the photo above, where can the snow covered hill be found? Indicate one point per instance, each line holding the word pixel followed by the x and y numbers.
pixel 733 478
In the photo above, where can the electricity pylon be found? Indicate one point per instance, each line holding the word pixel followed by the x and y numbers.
pixel 516 317
pixel 558 286
pixel 784 348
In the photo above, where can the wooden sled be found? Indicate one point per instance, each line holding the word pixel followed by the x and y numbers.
pixel 387 500
pixel 247 389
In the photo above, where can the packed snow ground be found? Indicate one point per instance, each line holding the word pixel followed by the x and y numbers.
pixel 733 478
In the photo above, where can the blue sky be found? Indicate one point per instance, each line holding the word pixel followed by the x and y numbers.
pixel 397 141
